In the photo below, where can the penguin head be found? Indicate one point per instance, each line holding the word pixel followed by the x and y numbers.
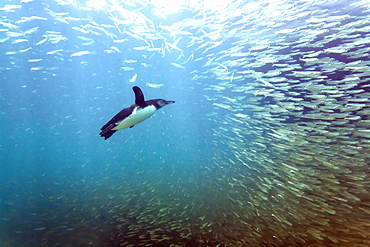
pixel 161 102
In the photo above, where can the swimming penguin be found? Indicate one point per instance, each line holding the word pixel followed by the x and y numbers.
pixel 133 114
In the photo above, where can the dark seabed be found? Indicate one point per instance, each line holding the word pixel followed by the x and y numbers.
pixel 268 143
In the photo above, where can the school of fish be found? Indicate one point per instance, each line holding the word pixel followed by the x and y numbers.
pixel 288 82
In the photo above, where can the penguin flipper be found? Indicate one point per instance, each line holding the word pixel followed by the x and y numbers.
pixel 132 126
pixel 139 96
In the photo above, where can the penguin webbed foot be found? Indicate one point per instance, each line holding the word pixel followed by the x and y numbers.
pixel 107 134
pixel 107 131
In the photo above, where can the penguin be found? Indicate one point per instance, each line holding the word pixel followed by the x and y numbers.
pixel 133 114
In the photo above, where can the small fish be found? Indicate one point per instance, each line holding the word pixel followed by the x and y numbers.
pixel 19 41
pixel 11 53
pixel 178 66
pixel 126 68
pixel 115 49
pixel 120 40
pixel 39 229
pixel 30 31
pixel 4 39
pixel 53 52
pixel 265 82
pixel 146 65
pixel 54 39
pixel 42 41
pixel 154 85
pixel 34 60
pixel 10 7
pixel 130 61
pixel 140 48
pixel 84 38
pixel 133 79
pixel 88 43
pixel 14 34
pixel 25 50
pixel 80 53
pixel 62 20
pixel 37 68
pixel 222 106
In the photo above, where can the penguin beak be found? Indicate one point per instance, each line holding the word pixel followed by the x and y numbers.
pixel 169 102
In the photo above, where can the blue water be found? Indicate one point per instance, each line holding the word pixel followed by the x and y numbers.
pixel 213 169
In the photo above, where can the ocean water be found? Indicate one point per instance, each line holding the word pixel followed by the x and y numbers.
pixel 267 143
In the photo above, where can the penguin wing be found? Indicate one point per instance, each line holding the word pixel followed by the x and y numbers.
pixel 106 130
pixel 119 117
pixel 139 96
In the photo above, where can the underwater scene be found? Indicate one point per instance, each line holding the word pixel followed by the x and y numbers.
pixel 185 123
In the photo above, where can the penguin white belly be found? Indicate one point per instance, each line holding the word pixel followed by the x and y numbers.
pixel 138 115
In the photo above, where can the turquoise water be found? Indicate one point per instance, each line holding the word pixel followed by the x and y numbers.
pixel 266 145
